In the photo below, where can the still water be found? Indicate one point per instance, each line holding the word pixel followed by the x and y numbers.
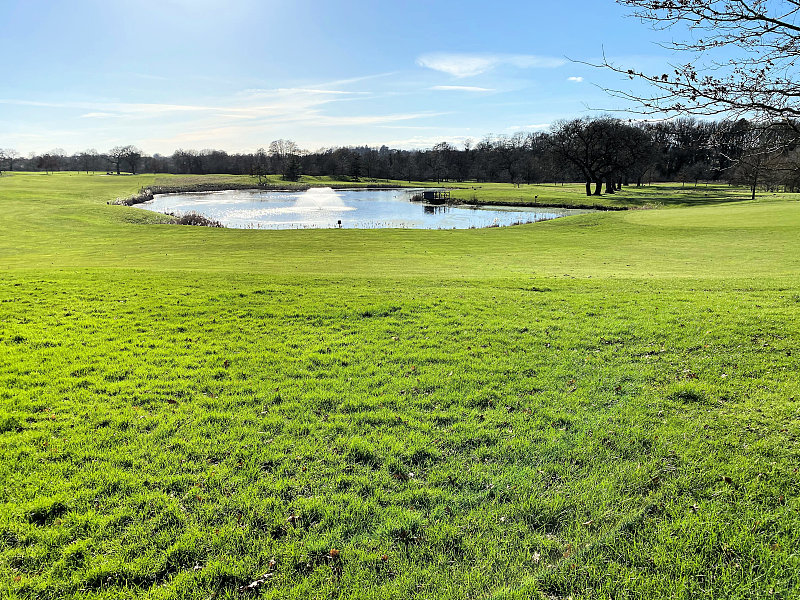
pixel 324 208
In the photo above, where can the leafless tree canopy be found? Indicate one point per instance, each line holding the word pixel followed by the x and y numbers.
pixel 742 58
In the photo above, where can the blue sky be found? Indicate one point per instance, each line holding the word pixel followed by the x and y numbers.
pixel 234 75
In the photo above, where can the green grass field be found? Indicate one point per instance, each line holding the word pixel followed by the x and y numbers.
pixel 601 406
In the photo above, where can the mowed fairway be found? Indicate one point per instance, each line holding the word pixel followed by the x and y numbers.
pixel 603 406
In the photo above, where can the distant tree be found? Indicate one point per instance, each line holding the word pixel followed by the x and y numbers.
pixel 88 160
pixel 291 171
pixel 2 158
pixel 10 155
pixel 763 155
pixel 49 161
pixel 259 168
pixel 580 142
pixel 285 156
pixel 116 155
pixel 355 165
pixel 131 157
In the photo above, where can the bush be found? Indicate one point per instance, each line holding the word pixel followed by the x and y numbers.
pixel 193 218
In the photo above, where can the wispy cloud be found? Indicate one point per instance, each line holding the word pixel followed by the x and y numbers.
pixel 248 104
pixel 532 127
pixel 461 88
pixel 575 79
pixel 469 65
pixel 427 141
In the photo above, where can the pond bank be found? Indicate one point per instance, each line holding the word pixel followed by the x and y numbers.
pixel 460 202
pixel 147 194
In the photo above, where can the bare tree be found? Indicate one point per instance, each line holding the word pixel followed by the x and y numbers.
pixel 116 155
pixel 10 155
pixel 131 156
pixel 285 155
pixel 761 154
pixel 597 148
pixel 127 155
pixel 88 160
pixel 743 58
pixel 50 161
pixel 259 167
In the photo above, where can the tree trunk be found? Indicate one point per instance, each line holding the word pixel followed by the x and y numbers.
pixel 598 187
pixel 588 188
pixel 610 186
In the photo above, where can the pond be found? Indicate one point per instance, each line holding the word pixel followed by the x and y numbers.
pixel 324 208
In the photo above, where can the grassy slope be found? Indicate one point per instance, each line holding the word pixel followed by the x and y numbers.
pixel 575 194
pixel 601 406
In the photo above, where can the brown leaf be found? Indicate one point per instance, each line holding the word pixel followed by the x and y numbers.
pixel 334 553
pixel 171 401
pixel 568 551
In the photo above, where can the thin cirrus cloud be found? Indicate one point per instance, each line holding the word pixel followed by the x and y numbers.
pixel 461 88
pixel 246 104
pixel 469 65
pixel 240 119
pixel 532 127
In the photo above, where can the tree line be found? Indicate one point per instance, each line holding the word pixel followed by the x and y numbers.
pixel 603 152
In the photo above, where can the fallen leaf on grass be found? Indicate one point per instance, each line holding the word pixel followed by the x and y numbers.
pixel 537 557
